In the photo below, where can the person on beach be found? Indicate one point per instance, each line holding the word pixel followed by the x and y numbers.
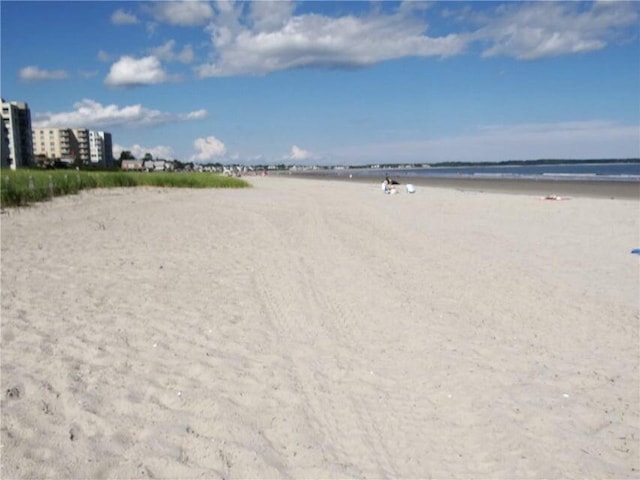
pixel 387 188
pixel 389 181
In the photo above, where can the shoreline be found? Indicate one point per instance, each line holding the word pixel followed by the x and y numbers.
pixel 577 188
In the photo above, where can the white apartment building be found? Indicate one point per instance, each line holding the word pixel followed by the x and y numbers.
pixel 101 148
pixel 4 143
pixel 16 119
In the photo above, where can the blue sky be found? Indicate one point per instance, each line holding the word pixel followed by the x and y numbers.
pixel 333 82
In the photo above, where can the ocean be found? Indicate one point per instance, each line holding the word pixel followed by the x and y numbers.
pixel 610 172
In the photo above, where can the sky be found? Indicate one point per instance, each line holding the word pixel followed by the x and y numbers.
pixel 332 82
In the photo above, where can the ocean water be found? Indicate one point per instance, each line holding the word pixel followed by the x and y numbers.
pixel 616 172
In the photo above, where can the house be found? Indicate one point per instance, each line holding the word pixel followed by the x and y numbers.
pixel 156 165
pixel 131 165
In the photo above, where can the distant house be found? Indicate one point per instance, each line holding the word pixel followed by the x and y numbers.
pixel 159 165
pixel 131 165
pixel 156 165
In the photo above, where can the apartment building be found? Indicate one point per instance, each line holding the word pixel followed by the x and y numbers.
pixel 101 148
pixel 80 145
pixel 74 144
pixel 16 119
pixel 4 143
pixel 54 143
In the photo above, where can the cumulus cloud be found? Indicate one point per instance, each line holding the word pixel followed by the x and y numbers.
pixel 208 148
pixel 185 13
pixel 298 154
pixel 120 17
pixel 35 74
pixel 166 52
pixel 132 72
pixel 545 29
pixel 269 16
pixel 270 36
pixel 281 41
pixel 91 114
pixel 138 151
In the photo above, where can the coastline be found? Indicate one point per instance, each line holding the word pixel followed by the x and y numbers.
pixel 571 188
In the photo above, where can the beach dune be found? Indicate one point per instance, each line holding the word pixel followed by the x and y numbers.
pixel 320 329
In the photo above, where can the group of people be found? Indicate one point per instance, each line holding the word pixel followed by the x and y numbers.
pixel 389 186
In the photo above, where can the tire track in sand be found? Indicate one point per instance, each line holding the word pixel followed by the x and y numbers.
pixel 319 335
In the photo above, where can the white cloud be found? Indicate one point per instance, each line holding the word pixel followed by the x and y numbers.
pixel 545 29
pixel 159 151
pixel 131 72
pixel 269 36
pixel 34 74
pixel 120 17
pixel 195 115
pixel 567 140
pixel 165 52
pixel 282 41
pixel 298 154
pixel 268 16
pixel 185 13
pixel 208 148
pixel 186 55
pixel 91 114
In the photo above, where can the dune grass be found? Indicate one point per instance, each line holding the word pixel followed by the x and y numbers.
pixel 26 186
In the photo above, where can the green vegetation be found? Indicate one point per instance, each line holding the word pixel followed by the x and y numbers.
pixel 25 186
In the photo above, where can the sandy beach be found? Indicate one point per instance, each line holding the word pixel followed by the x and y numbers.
pixel 320 329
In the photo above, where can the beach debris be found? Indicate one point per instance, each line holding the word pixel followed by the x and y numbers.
pixel 566 395
pixel 635 251
pixel 13 392
pixel 410 188
pixel 75 432
pixel 555 197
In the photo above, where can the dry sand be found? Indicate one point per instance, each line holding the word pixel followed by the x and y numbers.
pixel 318 329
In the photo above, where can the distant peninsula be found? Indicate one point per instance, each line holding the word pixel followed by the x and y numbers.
pixel 543 161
